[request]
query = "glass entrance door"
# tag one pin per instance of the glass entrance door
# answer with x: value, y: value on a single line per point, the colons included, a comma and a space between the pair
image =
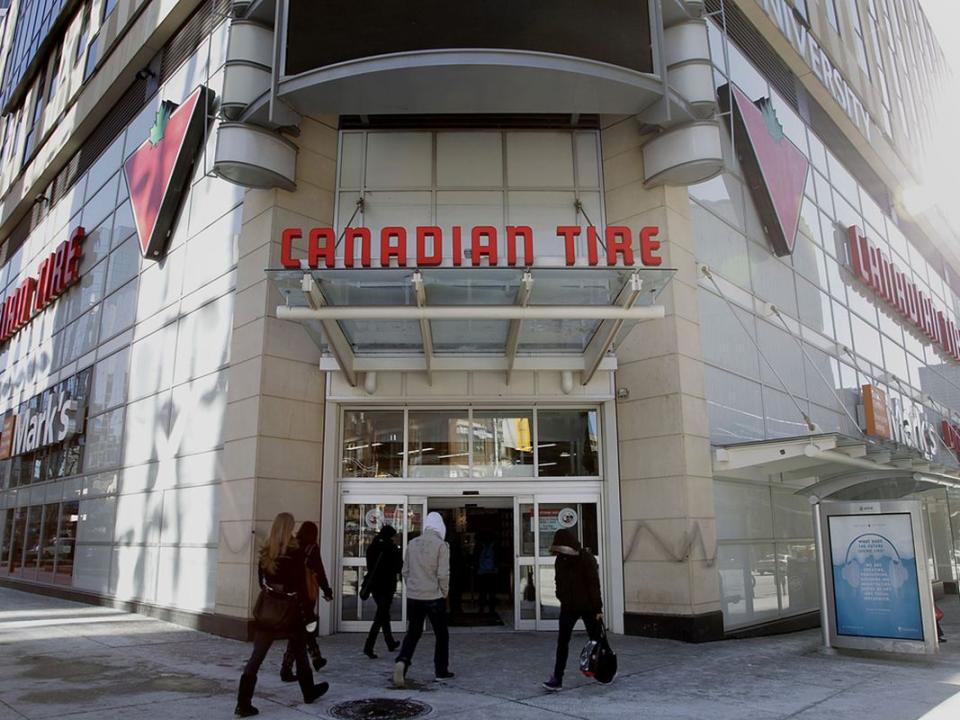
x: 361, y: 519
x: 538, y: 519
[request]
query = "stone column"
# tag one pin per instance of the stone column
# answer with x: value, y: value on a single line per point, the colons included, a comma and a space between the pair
x: 671, y: 586
x: 273, y: 445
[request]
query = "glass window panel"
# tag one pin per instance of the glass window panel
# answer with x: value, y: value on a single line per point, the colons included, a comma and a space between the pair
x: 31, y: 558
x: 372, y: 443
x: 866, y: 341
x: 124, y: 264
x: 773, y: 279
x: 528, y: 592
x: 793, y: 517
x: 567, y: 443
x: 502, y: 443
x: 797, y: 577
x: 723, y: 196
x: 723, y: 338
x: 362, y: 522
x: 895, y: 359
x: 782, y: 353
x: 814, y: 307
x: 588, y: 159
x: 543, y: 211
x: 745, y: 76
x: 6, y: 536
x: 824, y: 193
x: 438, y: 444
x: 66, y: 540
x: 17, y: 544
x: 399, y: 160
x: 843, y: 180
x: 48, y: 542
x: 386, y: 209
x: 783, y: 418
x: 734, y: 407
x: 748, y: 583
x: 580, y: 518
x: 539, y: 159
x: 469, y: 159
x: 549, y: 604
x: 721, y: 247
x: 527, y: 548
x: 351, y: 160
x: 793, y: 126
x: 743, y: 510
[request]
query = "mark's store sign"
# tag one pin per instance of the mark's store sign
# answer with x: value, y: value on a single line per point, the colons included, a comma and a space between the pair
x: 886, y: 279
x: 56, y: 273
x: 43, y: 421
x: 886, y: 418
x: 477, y: 245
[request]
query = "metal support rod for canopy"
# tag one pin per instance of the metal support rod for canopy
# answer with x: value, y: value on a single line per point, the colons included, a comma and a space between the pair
x: 339, y: 345
x: 603, y: 337
x: 471, y: 312
x: 426, y: 334
x: 513, y: 335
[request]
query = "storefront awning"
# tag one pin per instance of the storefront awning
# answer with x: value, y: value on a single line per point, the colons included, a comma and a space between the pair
x: 833, y: 463
x: 477, y: 318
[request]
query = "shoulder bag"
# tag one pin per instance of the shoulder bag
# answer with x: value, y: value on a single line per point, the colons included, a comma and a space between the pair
x: 276, y: 612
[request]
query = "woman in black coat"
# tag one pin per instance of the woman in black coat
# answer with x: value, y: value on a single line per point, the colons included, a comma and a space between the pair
x: 281, y: 570
x: 384, y: 562
x: 307, y: 537
x: 578, y: 590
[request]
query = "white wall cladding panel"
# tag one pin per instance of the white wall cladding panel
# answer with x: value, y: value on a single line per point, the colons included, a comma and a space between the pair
x: 203, y: 343
x: 138, y: 519
x: 161, y: 284
x: 133, y: 572
x: 197, y: 415
x: 213, y: 251
x: 147, y: 429
x: 187, y: 577
x: 96, y: 520
x: 152, y: 362
x: 190, y: 516
x: 91, y: 568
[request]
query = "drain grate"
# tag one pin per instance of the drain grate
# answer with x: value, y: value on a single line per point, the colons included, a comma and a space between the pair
x: 380, y: 709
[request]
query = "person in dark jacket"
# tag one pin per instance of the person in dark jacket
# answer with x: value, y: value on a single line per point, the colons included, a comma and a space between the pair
x: 307, y: 537
x: 385, y: 561
x: 578, y: 590
x: 281, y: 570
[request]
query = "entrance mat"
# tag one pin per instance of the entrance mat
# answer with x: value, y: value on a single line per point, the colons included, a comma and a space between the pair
x: 474, y: 619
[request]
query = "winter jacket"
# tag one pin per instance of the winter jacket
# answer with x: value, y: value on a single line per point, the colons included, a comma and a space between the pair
x: 384, y: 560
x: 289, y: 576
x: 577, y: 575
x: 315, y: 563
x: 426, y: 570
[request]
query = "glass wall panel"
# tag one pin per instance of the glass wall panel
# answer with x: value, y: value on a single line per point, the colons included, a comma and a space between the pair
x: 748, y: 583
x: 568, y: 443
x: 438, y: 444
x: 528, y: 592
x: 399, y: 160
x: 31, y: 558
x: 502, y: 443
x: 743, y: 510
x: 549, y: 604
x: 539, y: 159
x: 797, y: 573
x: 6, y: 536
x: 362, y: 522
x: 16, y: 547
x: 734, y: 407
x: 469, y: 159
x: 580, y: 518
x: 372, y: 443
x: 66, y: 541
x: 48, y: 543
x: 724, y: 343
x: 792, y: 516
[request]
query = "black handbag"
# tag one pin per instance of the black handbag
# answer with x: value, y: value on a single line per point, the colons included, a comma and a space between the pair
x: 365, y: 586
x: 276, y: 612
x: 598, y: 660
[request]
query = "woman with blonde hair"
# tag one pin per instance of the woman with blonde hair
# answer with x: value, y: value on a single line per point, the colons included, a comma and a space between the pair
x: 278, y: 613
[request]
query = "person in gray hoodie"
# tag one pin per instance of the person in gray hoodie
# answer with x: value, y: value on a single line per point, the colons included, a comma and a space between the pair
x: 426, y: 573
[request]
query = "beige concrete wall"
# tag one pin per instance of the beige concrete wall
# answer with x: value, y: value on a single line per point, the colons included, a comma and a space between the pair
x: 274, y: 435
x: 666, y: 485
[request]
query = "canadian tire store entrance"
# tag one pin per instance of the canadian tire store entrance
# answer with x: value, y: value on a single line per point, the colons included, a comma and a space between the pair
x: 504, y: 481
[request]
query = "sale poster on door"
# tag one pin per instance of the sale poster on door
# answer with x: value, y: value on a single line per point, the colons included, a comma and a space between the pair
x: 876, y: 588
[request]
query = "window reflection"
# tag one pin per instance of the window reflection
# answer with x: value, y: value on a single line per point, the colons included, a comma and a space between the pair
x: 567, y: 443
x: 372, y: 443
x: 502, y: 443
x: 66, y: 541
x: 438, y: 444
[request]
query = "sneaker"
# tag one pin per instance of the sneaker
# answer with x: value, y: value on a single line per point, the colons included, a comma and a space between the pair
x: 553, y: 684
x: 370, y: 654
x: 399, y: 674
x: 392, y: 647
x: 286, y: 675
x: 247, y: 710
x: 444, y: 675
x: 318, y: 663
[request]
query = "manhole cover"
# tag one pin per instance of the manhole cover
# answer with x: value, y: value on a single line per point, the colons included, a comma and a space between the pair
x: 380, y: 709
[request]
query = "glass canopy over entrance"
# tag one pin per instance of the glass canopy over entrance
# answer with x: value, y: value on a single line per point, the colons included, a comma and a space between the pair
x: 477, y: 318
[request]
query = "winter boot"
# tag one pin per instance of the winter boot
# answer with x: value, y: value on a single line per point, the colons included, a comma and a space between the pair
x: 245, y: 695
x: 318, y: 690
x: 286, y: 668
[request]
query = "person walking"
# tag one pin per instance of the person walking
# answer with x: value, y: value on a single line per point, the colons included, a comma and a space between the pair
x: 426, y: 573
x: 384, y: 562
x: 578, y: 590
x: 316, y: 580
x: 281, y: 572
x: 486, y: 561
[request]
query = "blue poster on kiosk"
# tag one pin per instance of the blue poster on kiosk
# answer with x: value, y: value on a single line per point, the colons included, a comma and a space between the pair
x: 876, y: 587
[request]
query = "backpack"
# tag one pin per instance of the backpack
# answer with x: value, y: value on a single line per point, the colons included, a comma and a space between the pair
x: 598, y: 660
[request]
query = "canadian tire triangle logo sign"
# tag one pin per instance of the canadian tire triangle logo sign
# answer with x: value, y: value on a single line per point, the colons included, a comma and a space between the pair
x: 774, y: 168
x: 158, y: 171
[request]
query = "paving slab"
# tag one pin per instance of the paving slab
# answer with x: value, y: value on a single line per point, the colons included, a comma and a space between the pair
x: 60, y: 659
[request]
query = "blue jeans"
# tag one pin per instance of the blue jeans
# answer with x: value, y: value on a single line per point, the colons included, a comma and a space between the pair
x: 417, y: 612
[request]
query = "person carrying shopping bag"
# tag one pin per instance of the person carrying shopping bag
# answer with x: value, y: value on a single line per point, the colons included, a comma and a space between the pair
x: 578, y: 590
x: 278, y: 613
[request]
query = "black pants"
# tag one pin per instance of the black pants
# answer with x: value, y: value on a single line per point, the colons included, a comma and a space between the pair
x: 261, y: 646
x: 417, y: 612
x: 381, y: 621
x: 486, y: 591
x: 568, y: 618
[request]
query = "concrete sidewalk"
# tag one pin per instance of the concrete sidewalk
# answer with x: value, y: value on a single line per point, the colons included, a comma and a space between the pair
x: 62, y: 659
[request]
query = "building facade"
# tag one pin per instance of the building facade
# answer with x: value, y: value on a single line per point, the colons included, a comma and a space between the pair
x: 648, y: 273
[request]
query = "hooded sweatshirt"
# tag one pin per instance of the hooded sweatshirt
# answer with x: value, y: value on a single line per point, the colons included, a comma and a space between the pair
x: 577, y: 575
x: 384, y: 560
x: 426, y: 570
